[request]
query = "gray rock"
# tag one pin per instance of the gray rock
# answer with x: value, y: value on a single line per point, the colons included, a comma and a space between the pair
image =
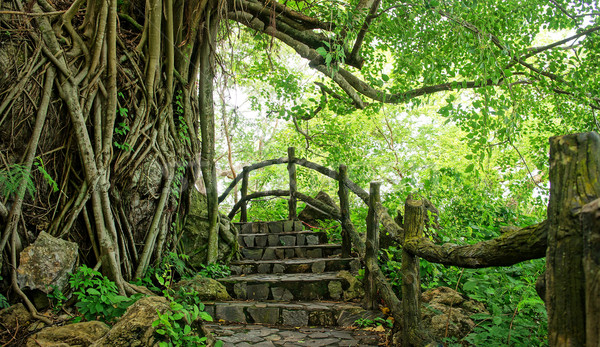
x: 276, y: 227
x: 278, y: 268
x: 265, y: 315
x: 324, y: 318
x: 236, y: 269
x: 355, y: 289
x: 335, y: 290
x: 289, y: 253
x: 206, y: 288
x: 318, y: 266
x: 314, y: 253
x: 254, y: 254
x: 288, y: 226
x: 15, y: 316
x: 264, y: 268
x: 296, y: 318
x: 230, y: 313
x: 281, y: 294
x: 288, y: 240
x: 260, y: 240
x: 301, y: 239
x: 355, y: 265
x: 246, y: 228
x: 269, y: 254
x: 312, y: 240
x: 240, y: 290
x: 258, y: 291
x: 47, y: 263
x: 249, y: 241
x: 298, y: 226
x: 273, y: 240
x: 78, y: 334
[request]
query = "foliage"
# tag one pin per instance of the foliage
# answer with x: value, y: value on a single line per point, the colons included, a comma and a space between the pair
x: 98, y: 297
x: 3, y: 302
x: 11, y: 179
x: 332, y: 228
x: 57, y: 299
x: 173, y: 264
x: 378, y: 321
x: 39, y: 163
x: 215, y: 270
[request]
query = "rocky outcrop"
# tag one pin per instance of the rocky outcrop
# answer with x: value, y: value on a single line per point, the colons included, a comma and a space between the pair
x: 444, y: 306
x: 135, y: 327
x: 47, y: 263
x: 78, y: 334
x: 311, y: 215
x: 207, y: 289
x: 195, y: 232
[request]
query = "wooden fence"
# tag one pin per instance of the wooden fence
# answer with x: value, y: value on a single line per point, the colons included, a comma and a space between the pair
x: 569, y: 239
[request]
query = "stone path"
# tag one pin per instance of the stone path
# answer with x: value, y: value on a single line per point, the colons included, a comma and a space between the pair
x: 267, y: 336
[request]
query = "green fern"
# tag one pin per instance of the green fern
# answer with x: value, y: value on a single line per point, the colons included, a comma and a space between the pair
x: 42, y: 169
x: 11, y: 179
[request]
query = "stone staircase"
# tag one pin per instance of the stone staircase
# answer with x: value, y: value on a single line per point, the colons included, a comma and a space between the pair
x: 289, y: 276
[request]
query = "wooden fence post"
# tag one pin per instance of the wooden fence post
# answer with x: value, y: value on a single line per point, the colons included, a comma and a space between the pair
x: 345, y: 211
x: 574, y: 182
x: 372, y: 247
x: 244, y: 212
x: 293, y: 183
x: 411, y: 280
x: 590, y: 219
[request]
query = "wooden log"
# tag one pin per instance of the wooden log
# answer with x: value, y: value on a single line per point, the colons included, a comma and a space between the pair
x: 244, y: 207
x: 507, y: 249
x: 574, y: 182
x: 250, y: 168
x: 332, y: 211
x: 344, y: 211
x: 411, y: 279
x: 590, y: 219
x: 371, y: 254
x: 293, y: 183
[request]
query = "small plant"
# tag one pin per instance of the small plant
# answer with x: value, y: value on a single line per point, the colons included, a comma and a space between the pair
x: 57, y: 299
x: 365, y: 322
x: 3, y: 301
x: 42, y: 169
x: 11, y: 179
x: 215, y: 270
x: 98, y: 297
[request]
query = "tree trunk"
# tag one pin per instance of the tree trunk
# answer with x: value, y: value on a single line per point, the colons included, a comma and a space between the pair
x: 574, y: 182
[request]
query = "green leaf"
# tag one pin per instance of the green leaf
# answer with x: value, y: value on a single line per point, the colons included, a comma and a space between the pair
x: 470, y: 168
x: 322, y: 51
x: 385, y: 77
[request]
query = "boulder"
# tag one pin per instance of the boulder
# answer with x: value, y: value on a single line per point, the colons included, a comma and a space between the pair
x: 195, y: 232
x: 310, y: 215
x: 15, y: 316
x: 78, y: 334
x: 355, y: 288
x: 443, y: 302
x: 135, y: 327
x: 47, y: 263
x: 207, y: 288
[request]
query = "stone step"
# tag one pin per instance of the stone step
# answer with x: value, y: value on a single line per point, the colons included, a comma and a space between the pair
x: 293, y: 238
x: 316, y: 265
x: 287, y: 287
x: 286, y: 252
x: 293, y: 314
x: 276, y: 227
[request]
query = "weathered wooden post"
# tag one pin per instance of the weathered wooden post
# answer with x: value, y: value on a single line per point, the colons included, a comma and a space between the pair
x: 244, y: 212
x: 590, y: 219
x: 411, y: 279
x: 372, y: 247
x: 345, y: 211
x: 293, y: 183
x: 574, y: 182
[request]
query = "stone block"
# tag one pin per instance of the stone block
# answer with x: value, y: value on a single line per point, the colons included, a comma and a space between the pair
x: 248, y: 241
x: 255, y: 228
x: 273, y: 240
x: 276, y: 227
x: 254, y: 254
x: 260, y: 241
x: 355, y: 265
x: 298, y: 226
x: 301, y: 239
x: 318, y: 266
x: 278, y: 268
x: 210, y: 309
x: 264, y: 268
x: 258, y: 291
x: 289, y: 253
x: 263, y: 228
x: 265, y: 315
x: 312, y: 240
x: 324, y: 318
x: 280, y: 253
x: 314, y: 253
x: 335, y: 290
x: 240, y: 290
x: 247, y: 269
x: 288, y: 225
x: 294, y: 318
x: 301, y: 252
x: 230, y: 313
x: 287, y: 240
x: 281, y: 294
x: 236, y: 269
x: 269, y: 254
x: 247, y: 228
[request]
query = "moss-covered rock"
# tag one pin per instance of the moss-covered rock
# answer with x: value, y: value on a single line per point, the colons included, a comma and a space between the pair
x: 207, y: 288
x: 78, y: 334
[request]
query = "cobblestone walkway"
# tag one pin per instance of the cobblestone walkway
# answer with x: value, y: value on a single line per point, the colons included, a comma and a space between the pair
x: 267, y: 336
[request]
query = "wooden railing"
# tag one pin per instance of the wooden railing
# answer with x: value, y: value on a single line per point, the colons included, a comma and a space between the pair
x: 569, y: 239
